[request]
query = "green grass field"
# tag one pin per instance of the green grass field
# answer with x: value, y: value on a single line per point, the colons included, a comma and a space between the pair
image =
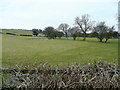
x: 18, y: 32
x: 25, y: 50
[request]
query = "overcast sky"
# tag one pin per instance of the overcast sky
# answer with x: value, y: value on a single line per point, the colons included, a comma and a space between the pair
x: 28, y: 14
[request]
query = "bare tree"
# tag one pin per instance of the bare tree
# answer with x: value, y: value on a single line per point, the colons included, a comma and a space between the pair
x: 75, y: 32
x: 64, y: 27
x: 101, y: 31
x: 84, y: 24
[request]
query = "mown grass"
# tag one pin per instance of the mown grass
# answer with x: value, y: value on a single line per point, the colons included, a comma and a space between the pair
x: 28, y: 50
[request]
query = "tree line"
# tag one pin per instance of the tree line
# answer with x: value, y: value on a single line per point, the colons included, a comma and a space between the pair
x: 81, y: 27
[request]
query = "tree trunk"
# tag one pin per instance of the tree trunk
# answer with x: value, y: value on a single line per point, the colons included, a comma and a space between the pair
x: 74, y: 38
x: 101, y: 40
x: 106, y: 40
x: 66, y: 35
x: 84, y: 37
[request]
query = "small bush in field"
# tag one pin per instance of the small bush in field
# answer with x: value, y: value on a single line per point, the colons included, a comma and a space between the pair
x: 72, y: 76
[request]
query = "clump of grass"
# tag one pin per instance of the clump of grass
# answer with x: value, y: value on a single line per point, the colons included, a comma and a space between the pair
x: 72, y: 76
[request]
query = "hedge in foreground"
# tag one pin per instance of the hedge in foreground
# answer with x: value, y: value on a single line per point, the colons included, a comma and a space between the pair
x: 72, y: 76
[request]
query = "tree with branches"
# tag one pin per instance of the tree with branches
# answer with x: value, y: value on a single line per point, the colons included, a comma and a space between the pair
x: 50, y: 32
x: 102, y: 31
x: 75, y: 32
x: 65, y: 28
x: 84, y: 24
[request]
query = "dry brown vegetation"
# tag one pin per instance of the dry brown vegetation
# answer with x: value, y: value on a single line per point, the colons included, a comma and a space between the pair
x: 72, y: 76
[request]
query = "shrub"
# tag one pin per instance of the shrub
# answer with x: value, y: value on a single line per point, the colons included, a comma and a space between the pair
x: 25, y: 35
x: 11, y: 33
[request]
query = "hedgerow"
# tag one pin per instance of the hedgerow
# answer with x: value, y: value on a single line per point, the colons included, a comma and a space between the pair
x: 72, y: 76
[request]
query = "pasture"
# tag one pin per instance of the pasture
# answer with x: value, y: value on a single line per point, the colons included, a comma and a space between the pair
x: 18, y: 32
x: 29, y: 50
